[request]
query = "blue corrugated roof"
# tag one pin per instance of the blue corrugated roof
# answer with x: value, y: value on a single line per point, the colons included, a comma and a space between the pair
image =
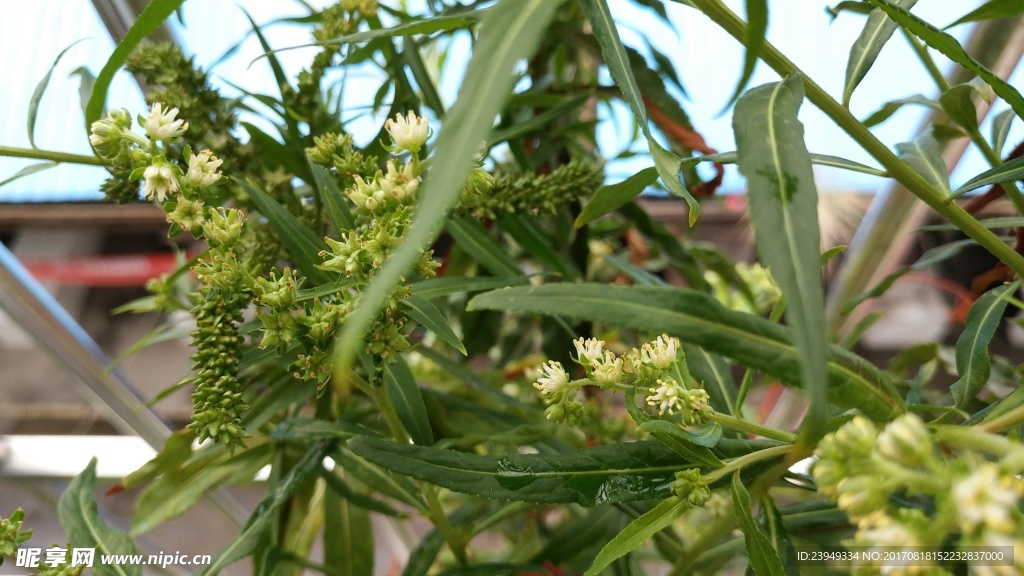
x: 31, y: 36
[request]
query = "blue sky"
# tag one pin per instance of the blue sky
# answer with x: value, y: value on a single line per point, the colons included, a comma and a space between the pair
x: 708, y: 61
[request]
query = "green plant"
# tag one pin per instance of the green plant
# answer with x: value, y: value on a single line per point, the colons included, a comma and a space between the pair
x: 361, y: 305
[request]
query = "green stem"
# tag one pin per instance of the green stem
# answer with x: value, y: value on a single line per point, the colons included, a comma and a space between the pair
x: 899, y: 170
x: 1005, y: 421
x: 738, y: 463
x: 741, y: 397
x: 929, y: 63
x: 62, y: 157
x: 736, y: 423
x: 979, y: 438
x: 437, y: 515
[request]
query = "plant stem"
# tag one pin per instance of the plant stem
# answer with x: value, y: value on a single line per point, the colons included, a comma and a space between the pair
x: 899, y: 170
x: 437, y: 515
x: 738, y: 463
x: 1004, y: 421
x: 979, y: 437
x: 929, y: 63
x: 62, y: 157
x: 742, y: 425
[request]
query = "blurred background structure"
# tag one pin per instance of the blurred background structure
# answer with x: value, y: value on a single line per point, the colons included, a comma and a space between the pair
x: 92, y: 257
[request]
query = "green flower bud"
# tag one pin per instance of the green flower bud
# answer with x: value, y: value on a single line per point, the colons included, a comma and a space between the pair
x: 906, y: 440
x: 689, y: 485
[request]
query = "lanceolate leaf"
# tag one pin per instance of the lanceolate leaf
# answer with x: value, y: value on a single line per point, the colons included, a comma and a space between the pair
x: 151, y: 18
x: 303, y: 246
x: 348, y: 537
x: 29, y: 170
x: 37, y: 95
x: 405, y: 395
x: 868, y: 46
x: 784, y: 210
x: 612, y: 196
x: 1001, y: 129
x: 617, y: 60
x: 712, y: 371
x: 819, y: 159
x: 890, y: 108
x: 247, y: 541
x: 951, y: 49
x: 610, y: 473
x: 85, y: 529
x: 701, y: 320
x: 446, y: 286
x: 510, y: 31
x: 423, y: 311
x: 333, y: 199
x: 472, y: 237
x: 762, y: 555
x: 757, y: 25
x: 973, y: 363
x: 925, y: 156
x: 1005, y: 172
x: 992, y: 10
x: 958, y: 103
x: 639, y: 531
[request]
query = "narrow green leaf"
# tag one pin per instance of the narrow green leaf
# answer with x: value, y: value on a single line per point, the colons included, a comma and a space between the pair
x: 958, y: 103
x: 303, y: 246
x: 177, y: 448
x: 537, y: 244
x: 706, y: 435
x: 990, y: 11
x: 757, y: 26
x: 177, y: 491
x: 973, y: 363
x: 931, y: 257
x: 819, y: 159
x: 510, y: 31
x: 28, y: 171
x: 536, y: 123
x: 617, y: 60
x: 682, y: 445
x: 611, y: 473
x: 471, y: 379
x: 773, y: 523
x: 890, y: 108
x: 413, y: 59
x: 877, y: 31
x: 714, y: 373
x: 342, y: 489
x: 701, y: 320
x: 423, y: 311
x: 1005, y: 172
x: 639, y: 531
x: 333, y: 199
x: 348, y: 537
x: 37, y: 96
x: 990, y: 223
x: 784, y: 211
x: 248, y: 540
x: 292, y: 159
x: 87, y: 82
x: 84, y: 528
x: 151, y: 18
x: 472, y: 237
x: 924, y: 155
x: 404, y: 393
x: 608, y: 198
x: 951, y: 49
x: 414, y: 28
x: 762, y: 555
x: 636, y: 274
x: 370, y: 474
x: 446, y: 286
x: 305, y: 430
x: 1001, y: 129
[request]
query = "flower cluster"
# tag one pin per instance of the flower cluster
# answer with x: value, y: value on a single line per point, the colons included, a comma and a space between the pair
x: 179, y: 191
x: 877, y: 477
x: 658, y: 366
x: 11, y: 535
x: 484, y: 196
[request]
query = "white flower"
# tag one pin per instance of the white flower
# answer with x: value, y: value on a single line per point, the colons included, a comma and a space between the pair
x: 408, y: 133
x: 995, y: 539
x: 661, y: 353
x: 986, y: 498
x: 202, y: 168
x: 589, y: 351
x: 608, y: 371
x: 554, y: 380
x: 400, y: 185
x: 160, y: 181
x: 668, y: 396
x: 162, y: 125
x: 188, y: 213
